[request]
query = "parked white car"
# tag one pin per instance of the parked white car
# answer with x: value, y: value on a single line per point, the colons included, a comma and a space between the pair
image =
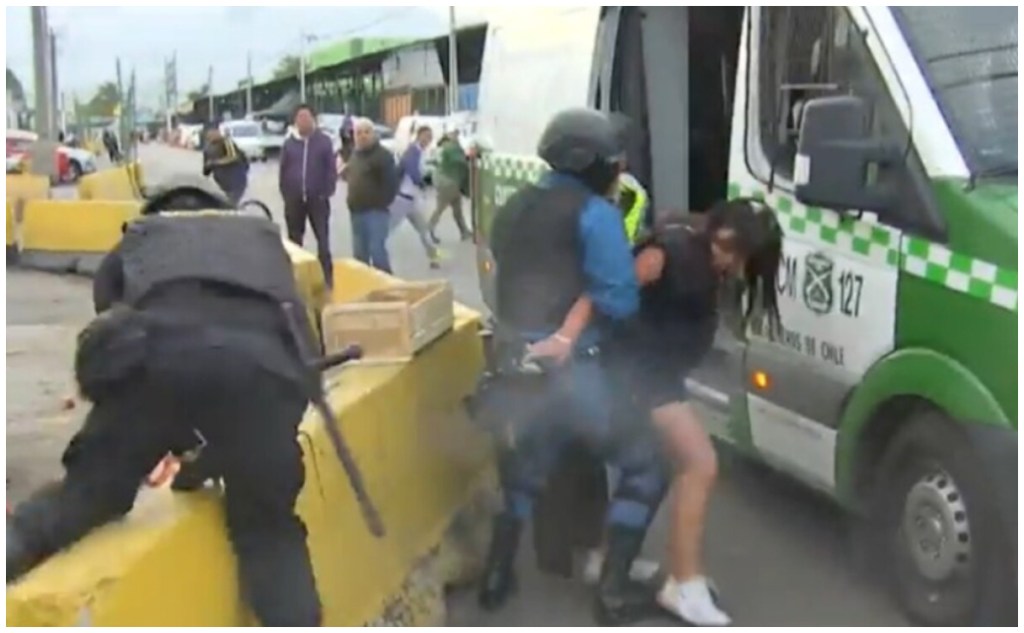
x: 248, y: 136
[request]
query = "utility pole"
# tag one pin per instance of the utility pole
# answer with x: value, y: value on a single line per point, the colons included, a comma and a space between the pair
x: 54, y: 92
x: 302, y: 67
x: 170, y: 89
x: 248, y: 84
x: 121, y: 122
x: 43, y: 68
x: 305, y: 38
x: 209, y: 94
x: 131, y: 144
x: 453, y: 62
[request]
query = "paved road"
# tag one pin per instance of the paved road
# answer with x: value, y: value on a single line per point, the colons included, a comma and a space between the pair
x: 778, y: 553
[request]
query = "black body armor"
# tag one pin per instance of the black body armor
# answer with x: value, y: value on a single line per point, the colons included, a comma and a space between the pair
x: 235, y: 250
x: 536, y: 246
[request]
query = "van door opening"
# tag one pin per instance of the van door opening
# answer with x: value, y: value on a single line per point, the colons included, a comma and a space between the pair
x: 674, y: 75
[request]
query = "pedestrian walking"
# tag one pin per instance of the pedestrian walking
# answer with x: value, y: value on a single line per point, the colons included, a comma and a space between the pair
x: 408, y: 204
x: 452, y: 173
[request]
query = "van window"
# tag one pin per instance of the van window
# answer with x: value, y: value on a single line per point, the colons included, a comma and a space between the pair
x: 793, y: 46
x: 969, y: 58
x: 819, y: 51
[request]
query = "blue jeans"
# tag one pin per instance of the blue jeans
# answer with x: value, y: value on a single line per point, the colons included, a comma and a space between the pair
x: 370, y: 237
x: 578, y: 404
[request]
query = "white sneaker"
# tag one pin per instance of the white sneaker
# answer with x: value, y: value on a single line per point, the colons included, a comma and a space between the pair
x: 641, y: 571
x: 692, y: 602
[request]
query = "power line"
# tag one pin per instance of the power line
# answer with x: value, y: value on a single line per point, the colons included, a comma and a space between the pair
x: 290, y: 50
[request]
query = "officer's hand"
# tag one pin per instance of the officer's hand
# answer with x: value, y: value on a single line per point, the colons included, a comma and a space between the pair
x: 556, y: 348
x: 164, y: 471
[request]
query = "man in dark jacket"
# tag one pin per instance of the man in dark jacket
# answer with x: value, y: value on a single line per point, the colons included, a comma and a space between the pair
x: 371, y: 177
x: 307, y: 180
x: 226, y: 163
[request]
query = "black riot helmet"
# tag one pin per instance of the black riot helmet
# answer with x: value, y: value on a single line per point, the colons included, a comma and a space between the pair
x: 583, y: 142
x: 186, y: 193
x: 196, y: 195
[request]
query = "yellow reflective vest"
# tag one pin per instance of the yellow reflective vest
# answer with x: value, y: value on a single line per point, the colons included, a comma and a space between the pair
x: 633, y: 201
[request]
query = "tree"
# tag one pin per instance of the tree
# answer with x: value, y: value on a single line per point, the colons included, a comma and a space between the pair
x: 105, y: 101
x: 196, y: 95
x: 15, y: 87
x: 289, y: 66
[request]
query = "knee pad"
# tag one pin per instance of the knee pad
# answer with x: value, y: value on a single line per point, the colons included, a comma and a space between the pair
x: 642, y: 487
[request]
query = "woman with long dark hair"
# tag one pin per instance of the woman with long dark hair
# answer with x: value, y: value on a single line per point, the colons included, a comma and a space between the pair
x: 681, y: 267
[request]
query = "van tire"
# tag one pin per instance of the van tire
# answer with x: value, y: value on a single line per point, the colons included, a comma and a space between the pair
x: 931, y: 481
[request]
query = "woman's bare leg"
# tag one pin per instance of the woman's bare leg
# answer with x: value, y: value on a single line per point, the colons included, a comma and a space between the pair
x: 696, y: 471
x: 687, y: 593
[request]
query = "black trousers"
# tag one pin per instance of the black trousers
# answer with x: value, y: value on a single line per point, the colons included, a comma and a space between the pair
x: 248, y: 417
x: 318, y: 212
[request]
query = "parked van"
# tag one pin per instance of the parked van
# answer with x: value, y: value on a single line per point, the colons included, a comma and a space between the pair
x: 885, y: 139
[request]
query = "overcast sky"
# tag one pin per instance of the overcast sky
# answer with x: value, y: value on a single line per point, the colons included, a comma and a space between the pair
x: 89, y: 39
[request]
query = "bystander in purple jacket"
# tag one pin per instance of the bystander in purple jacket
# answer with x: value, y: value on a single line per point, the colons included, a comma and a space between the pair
x: 307, y: 179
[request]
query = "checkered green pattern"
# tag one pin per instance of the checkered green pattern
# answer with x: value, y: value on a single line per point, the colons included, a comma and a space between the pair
x: 912, y: 255
x: 517, y: 168
x: 872, y: 241
x: 977, y: 278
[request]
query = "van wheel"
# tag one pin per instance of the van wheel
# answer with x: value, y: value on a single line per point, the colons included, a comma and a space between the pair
x: 936, y: 524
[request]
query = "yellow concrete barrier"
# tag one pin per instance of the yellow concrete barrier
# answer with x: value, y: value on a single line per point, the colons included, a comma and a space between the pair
x: 24, y: 187
x: 169, y: 562
x: 72, y: 235
x: 310, y: 278
x: 115, y: 183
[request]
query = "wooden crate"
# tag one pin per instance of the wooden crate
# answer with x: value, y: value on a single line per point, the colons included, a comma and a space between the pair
x: 392, y: 323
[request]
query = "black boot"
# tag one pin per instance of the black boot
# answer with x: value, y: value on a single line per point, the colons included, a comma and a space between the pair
x: 620, y: 600
x: 499, y: 581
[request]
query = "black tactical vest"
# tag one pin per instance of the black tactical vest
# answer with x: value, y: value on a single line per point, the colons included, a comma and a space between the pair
x: 234, y: 250
x: 538, y: 258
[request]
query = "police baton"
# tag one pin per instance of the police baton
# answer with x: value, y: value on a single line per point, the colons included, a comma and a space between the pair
x: 348, y: 463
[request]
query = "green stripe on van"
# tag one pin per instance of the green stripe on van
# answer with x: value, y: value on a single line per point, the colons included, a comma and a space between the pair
x: 980, y: 279
x: 915, y: 256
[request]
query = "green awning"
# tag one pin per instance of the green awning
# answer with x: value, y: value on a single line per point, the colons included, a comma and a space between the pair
x: 345, y: 50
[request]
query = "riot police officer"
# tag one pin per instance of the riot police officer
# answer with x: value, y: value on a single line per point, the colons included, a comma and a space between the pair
x: 190, y: 349
x: 553, y: 242
x: 631, y: 196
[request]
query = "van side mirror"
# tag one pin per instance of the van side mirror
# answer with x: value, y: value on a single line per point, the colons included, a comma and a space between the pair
x: 837, y: 159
